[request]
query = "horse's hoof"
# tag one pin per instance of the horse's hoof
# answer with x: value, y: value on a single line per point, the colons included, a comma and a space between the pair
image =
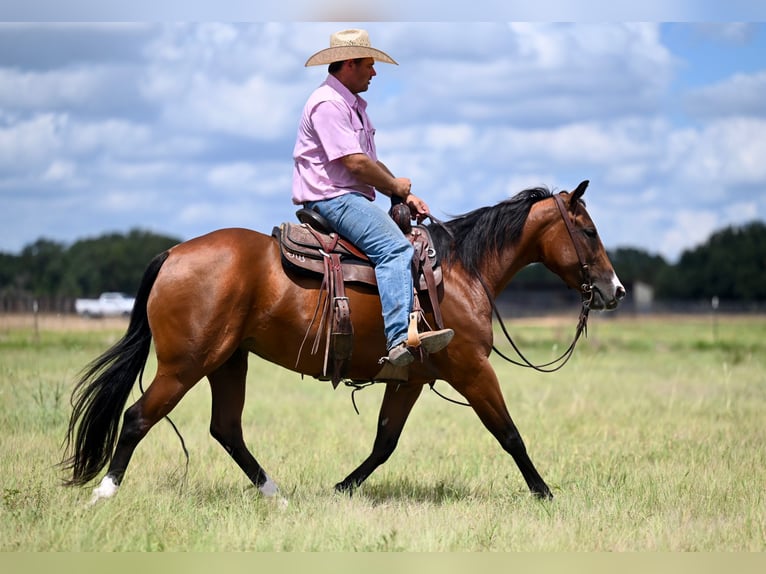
x: 107, y: 489
x: 544, y: 494
x: 279, y: 501
x: 344, y: 488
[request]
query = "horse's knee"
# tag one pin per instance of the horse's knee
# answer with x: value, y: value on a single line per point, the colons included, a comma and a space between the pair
x: 217, y: 434
x: 227, y: 435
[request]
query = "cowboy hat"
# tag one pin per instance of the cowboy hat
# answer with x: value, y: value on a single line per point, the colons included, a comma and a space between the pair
x: 348, y: 45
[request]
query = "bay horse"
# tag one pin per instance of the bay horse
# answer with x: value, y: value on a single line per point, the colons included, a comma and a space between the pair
x: 209, y: 302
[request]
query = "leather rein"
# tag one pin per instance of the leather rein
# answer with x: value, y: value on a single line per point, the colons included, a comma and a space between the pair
x: 586, y: 291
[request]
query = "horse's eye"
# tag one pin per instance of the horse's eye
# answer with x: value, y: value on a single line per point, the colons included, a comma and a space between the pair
x: 590, y: 232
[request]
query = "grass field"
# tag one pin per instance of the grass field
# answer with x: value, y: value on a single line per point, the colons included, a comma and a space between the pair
x: 651, y: 438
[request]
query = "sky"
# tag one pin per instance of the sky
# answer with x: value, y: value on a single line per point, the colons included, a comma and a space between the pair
x: 181, y: 129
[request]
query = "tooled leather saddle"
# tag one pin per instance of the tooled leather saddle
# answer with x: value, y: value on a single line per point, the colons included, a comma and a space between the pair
x: 310, y: 247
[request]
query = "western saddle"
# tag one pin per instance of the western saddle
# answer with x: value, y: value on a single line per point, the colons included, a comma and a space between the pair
x: 311, y: 247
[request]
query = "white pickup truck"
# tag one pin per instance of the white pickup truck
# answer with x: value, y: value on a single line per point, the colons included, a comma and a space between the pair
x: 107, y: 305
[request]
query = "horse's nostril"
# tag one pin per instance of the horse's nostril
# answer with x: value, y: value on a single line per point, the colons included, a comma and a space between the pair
x: 620, y: 292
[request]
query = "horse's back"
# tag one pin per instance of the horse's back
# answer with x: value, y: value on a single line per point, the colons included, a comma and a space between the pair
x: 216, y: 255
x: 228, y: 240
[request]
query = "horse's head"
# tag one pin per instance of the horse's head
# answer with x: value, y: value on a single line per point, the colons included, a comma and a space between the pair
x: 573, y: 250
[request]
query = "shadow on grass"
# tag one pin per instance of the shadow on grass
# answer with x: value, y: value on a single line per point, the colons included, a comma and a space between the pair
x: 411, y: 491
x: 440, y: 493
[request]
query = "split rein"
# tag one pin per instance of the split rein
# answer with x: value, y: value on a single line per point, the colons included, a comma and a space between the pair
x: 586, y: 291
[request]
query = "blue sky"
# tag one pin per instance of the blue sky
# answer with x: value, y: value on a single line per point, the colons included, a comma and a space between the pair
x: 186, y: 128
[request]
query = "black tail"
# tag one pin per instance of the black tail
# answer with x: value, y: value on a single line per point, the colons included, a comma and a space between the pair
x: 99, y: 397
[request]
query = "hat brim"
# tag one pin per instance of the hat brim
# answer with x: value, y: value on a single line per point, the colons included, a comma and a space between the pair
x: 342, y: 53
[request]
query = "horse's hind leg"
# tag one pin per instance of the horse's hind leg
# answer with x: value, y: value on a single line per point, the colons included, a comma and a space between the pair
x: 227, y: 386
x: 397, y: 404
x: 159, y: 399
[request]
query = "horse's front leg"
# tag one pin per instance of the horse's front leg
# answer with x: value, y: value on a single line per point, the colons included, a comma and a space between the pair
x: 483, y: 393
x: 397, y: 404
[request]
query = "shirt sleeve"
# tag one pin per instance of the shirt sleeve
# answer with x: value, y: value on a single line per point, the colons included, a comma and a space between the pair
x: 336, y: 129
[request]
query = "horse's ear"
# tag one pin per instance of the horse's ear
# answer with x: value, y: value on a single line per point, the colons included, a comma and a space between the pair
x: 578, y: 193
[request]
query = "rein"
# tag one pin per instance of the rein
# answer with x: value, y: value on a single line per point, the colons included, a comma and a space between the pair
x: 586, y: 290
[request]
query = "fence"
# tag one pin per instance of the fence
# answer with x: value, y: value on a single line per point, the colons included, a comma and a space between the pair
x: 515, y: 301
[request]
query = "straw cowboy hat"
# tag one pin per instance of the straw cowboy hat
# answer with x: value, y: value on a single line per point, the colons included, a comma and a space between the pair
x: 348, y: 45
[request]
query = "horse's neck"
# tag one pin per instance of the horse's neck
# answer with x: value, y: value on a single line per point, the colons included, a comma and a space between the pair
x: 498, y: 271
x: 497, y: 274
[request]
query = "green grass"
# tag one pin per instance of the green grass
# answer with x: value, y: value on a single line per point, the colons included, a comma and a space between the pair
x: 651, y: 438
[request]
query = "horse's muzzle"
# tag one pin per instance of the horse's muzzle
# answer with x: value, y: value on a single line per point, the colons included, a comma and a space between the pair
x: 607, y: 298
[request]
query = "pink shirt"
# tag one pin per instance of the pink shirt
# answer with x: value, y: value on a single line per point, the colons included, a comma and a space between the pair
x: 334, y: 124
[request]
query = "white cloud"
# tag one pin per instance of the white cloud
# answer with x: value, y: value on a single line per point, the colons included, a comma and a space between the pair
x: 62, y: 172
x: 736, y: 32
x: 188, y: 127
x: 57, y: 88
x: 29, y: 145
x: 537, y: 74
x: 253, y: 108
x: 725, y: 153
x: 688, y: 228
x: 739, y: 212
x: 740, y: 94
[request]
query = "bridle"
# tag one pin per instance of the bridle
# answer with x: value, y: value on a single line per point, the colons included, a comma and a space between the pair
x: 586, y: 292
x: 586, y: 287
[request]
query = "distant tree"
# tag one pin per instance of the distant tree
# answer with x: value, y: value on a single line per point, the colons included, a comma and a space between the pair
x: 112, y: 262
x: 633, y: 265
x: 9, y: 268
x: 630, y: 264
x: 41, y: 266
x: 730, y: 265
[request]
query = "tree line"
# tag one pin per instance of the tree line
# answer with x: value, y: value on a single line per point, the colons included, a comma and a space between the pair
x: 731, y: 265
x: 111, y: 262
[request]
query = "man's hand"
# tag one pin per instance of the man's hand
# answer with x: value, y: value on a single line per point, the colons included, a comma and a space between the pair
x: 418, y: 207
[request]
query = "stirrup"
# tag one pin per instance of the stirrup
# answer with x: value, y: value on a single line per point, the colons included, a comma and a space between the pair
x: 431, y: 341
x: 413, y: 337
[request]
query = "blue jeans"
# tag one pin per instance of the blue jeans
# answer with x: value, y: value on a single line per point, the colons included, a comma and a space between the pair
x: 372, y: 230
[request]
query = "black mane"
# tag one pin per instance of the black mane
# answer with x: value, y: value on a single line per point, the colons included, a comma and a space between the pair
x: 484, y: 231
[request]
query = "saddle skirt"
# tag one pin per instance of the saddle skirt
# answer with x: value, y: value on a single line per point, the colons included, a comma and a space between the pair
x: 307, y: 249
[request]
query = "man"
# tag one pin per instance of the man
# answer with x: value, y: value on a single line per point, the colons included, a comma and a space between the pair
x: 337, y: 172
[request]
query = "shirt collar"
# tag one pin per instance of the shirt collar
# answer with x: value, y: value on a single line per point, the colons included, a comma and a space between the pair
x: 353, y: 100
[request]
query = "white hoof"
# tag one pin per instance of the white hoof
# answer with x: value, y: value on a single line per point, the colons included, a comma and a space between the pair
x: 107, y: 489
x: 270, y: 491
x: 279, y: 501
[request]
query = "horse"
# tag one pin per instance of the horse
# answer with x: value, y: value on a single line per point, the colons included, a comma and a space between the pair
x: 208, y: 302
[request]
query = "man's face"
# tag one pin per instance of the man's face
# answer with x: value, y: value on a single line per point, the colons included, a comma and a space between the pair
x: 360, y: 74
